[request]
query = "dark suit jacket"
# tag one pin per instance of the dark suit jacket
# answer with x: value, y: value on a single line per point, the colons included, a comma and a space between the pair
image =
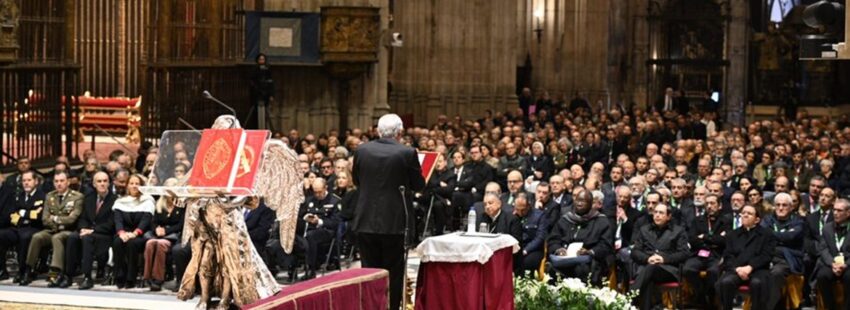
x: 535, y: 227
x: 32, y: 214
x: 542, y: 163
x: 7, y: 204
x: 828, y: 249
x: 813, y: 227
x: 596, y: 235
x: 380, y: 168
x: 714, y: 239
x: 754, y: 248
x: 102, y: 222
x: 629, y: 229
x: 258, y: 222
x: 672, y: 245
x: 505, y: 223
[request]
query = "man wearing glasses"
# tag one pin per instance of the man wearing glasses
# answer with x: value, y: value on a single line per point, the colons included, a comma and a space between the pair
x: 788, y: 229
x: 746, y: 260
x: 326, y: 169
x: 832, y: 250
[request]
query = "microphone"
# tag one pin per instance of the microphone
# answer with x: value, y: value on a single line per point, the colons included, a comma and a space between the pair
x: 401, y: 188
x: 209, y: 96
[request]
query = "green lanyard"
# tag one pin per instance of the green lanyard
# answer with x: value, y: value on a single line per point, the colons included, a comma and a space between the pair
x: 839, y: 242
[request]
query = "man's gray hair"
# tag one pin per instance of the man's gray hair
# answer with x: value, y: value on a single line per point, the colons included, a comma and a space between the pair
x: 783, y: 197
x: 389, y: 126
x: 598, y: 195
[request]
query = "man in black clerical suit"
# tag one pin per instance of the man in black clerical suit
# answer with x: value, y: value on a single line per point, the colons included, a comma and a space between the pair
x: 95, y: 230
x: 832, y: 252
x: 658, y: 250
x: 707, y: 239
x: 497, y: 219
x: 586, y: 228
x: 746, y: 260
x: 382, y: 169
x: 25, y: 220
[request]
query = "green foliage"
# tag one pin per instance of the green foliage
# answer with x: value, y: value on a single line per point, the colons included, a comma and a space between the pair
x: 531, y: 294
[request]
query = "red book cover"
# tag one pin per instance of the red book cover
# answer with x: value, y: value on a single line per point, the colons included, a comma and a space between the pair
x: 249, y: 159
x: 428, y: 161
x: 215, y: 157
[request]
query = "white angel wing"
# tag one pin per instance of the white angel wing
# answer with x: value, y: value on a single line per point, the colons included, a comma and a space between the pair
x: 279, y: 183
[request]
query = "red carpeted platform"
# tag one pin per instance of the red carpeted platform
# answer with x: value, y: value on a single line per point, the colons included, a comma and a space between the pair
x: 362, y: 288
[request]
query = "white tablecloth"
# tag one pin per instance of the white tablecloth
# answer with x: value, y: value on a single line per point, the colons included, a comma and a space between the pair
x: 454, y: 248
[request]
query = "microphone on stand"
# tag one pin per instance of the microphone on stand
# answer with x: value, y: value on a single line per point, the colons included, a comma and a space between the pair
x: 401, y: 189
x: 209, y: 96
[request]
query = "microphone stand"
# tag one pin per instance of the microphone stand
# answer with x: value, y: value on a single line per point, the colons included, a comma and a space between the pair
x: 406, y: 228
x: 222, y: 104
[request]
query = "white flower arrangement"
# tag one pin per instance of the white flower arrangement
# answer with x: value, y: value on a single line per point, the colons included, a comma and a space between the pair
x: 570, y: 293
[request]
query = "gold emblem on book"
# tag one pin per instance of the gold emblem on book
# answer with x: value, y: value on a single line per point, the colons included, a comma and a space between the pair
x: 216, y: 158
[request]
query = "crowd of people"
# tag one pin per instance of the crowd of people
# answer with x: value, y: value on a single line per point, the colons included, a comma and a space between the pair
x: 652, y: 196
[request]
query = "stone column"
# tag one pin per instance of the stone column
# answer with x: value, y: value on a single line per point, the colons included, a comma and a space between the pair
x: 737, y: 40
x: 639, y: 54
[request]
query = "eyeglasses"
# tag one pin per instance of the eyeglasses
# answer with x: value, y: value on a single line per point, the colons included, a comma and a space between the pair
x: 514, y: 181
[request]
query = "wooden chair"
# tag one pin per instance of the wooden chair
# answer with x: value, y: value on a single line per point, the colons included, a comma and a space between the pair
x: 838, y: 288
x: 792, y: 290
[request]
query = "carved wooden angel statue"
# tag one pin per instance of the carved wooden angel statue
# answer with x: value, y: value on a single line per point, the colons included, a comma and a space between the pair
x: 223, y: 257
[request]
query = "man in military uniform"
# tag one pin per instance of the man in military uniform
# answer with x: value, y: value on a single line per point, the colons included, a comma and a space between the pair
x: 315, y: 230
x: 24, y: 221
x: 62, y: 208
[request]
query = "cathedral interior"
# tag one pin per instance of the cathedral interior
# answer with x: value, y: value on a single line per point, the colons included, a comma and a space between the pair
x: 74, y: 68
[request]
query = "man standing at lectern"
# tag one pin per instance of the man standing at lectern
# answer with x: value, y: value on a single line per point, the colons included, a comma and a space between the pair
x: 382, y: 169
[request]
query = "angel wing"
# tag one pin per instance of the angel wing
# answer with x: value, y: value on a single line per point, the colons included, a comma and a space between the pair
x: 279, y: 183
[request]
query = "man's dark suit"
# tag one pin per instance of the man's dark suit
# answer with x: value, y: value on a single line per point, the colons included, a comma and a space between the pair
x: 259, y: 221
x: 689, y: 214
x: 535, y: 227
x: 596, y: 235
x: 20, y: 234
x: 94, y: 245
x: 441, y: 197
x: 814, y: 224
x: 669, y: 242
x: 827, y: 251
x: 707, y: 239
x: 505, y: 223
x: 380, y: 168
x: 754, y: 248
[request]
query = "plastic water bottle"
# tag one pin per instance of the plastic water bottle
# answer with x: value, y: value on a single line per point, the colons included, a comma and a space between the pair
x: 470, y: 221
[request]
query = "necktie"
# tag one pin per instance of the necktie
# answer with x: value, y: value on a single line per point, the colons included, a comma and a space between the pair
x: 511, y: 199
x: 635, y: 204
x: 737, y: 222
x: 61, y: 199
x: 99, y: 204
